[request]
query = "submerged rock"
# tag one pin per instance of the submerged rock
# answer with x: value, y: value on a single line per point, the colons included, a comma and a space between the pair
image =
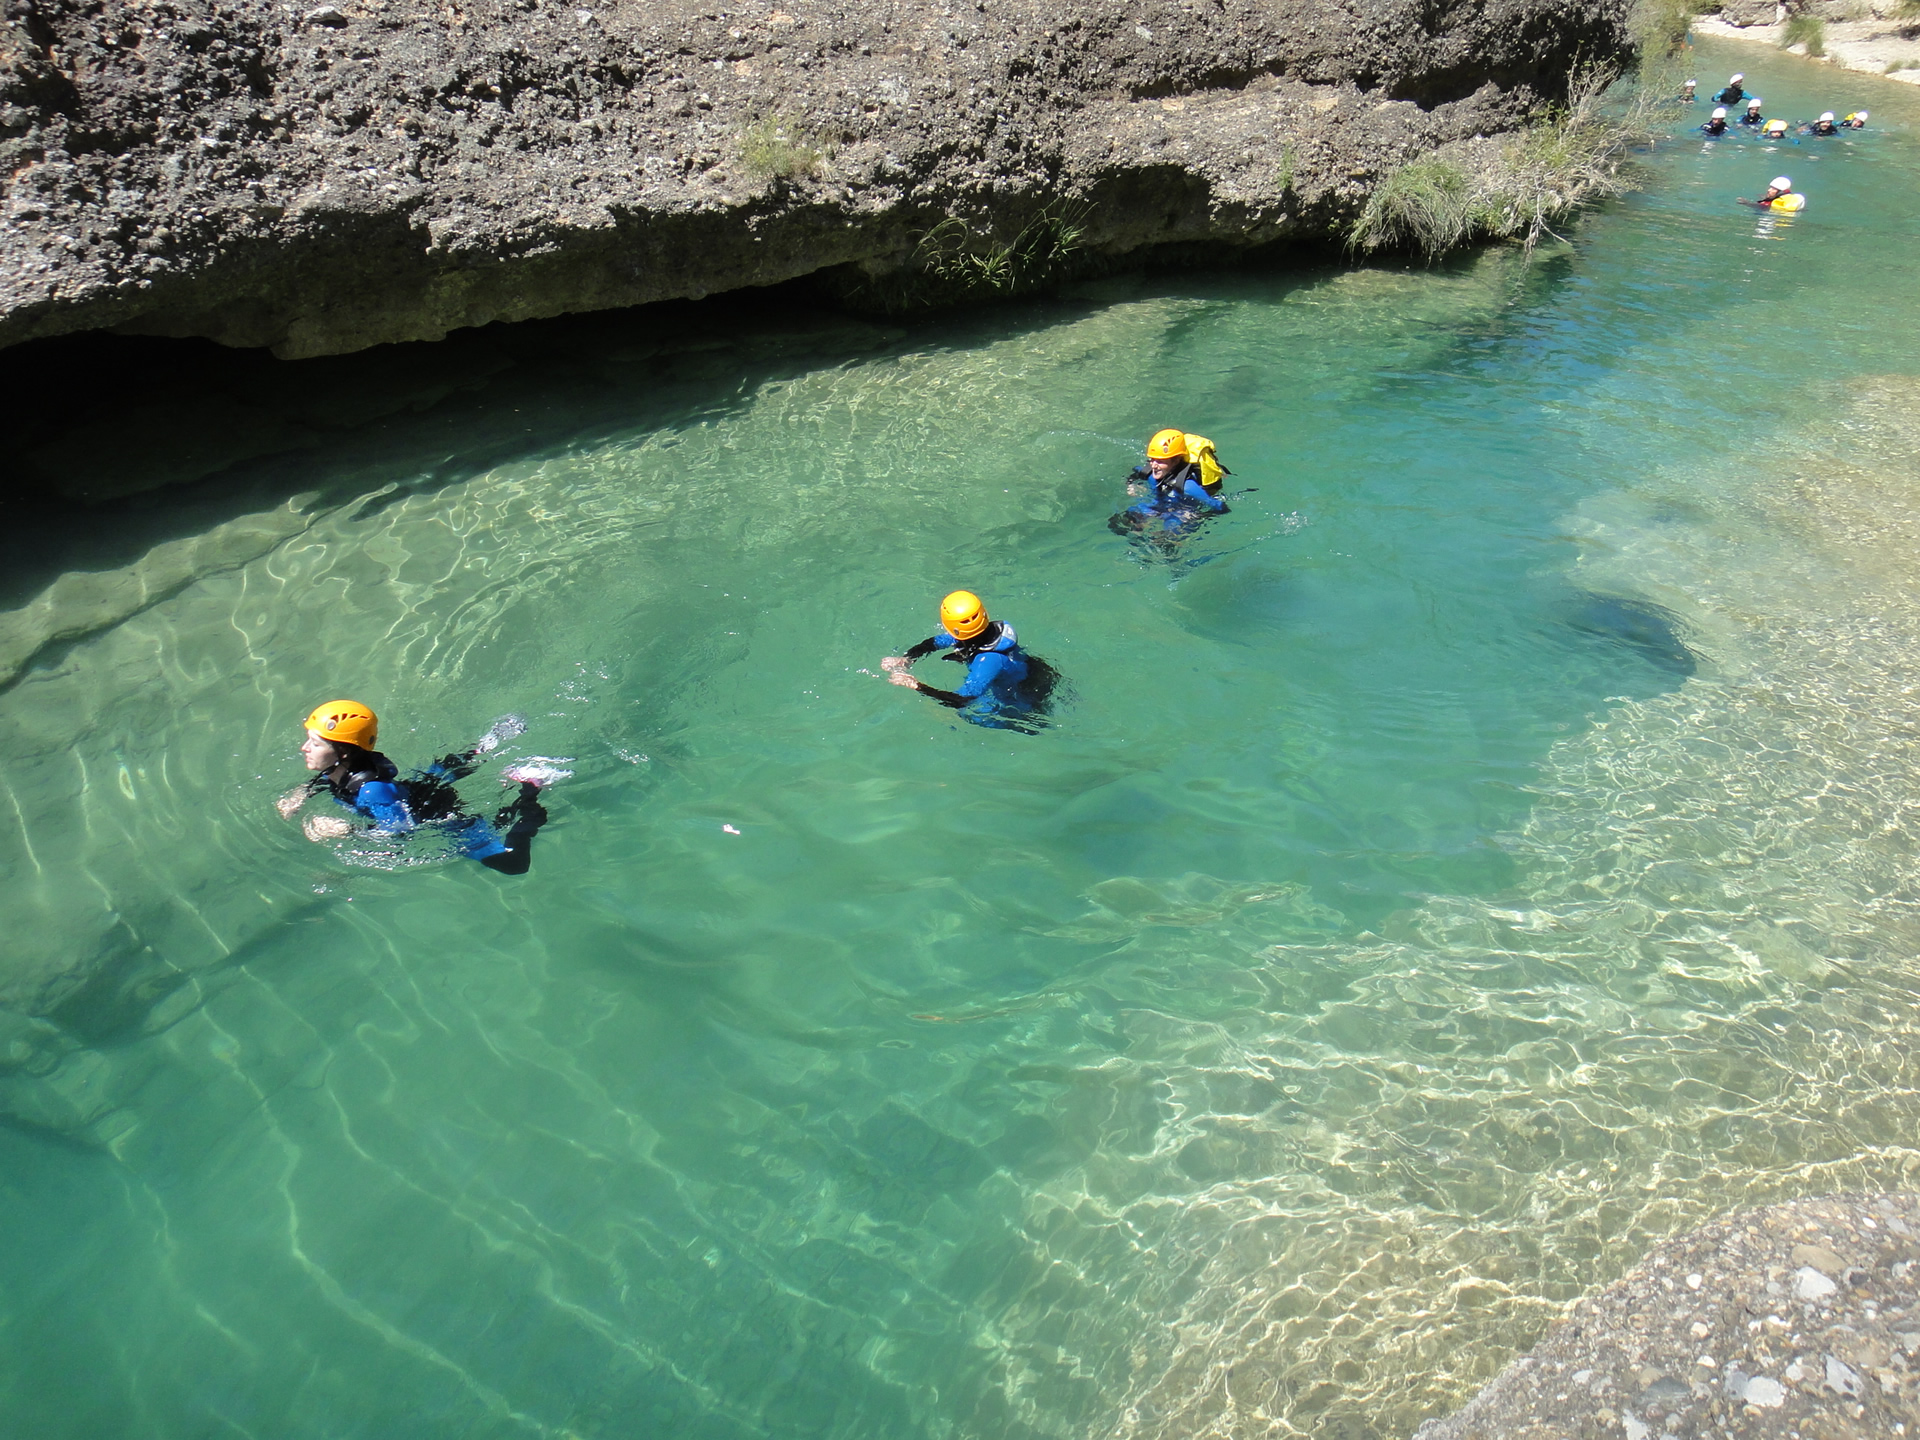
x: 326, y: 179
x: 1782, y: 1362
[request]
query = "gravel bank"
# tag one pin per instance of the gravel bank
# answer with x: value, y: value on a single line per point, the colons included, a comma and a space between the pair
x: 1800, y: 1321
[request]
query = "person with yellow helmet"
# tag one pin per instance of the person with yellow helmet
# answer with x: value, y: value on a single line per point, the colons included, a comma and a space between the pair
x: 1777, y: 130
x: 1004, y: 688
x: 1181, y: 482
x: 341, y: 735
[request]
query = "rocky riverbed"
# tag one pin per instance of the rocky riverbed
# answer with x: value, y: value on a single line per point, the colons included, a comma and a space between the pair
x: 319, y: 178
x: 1800, y: 1321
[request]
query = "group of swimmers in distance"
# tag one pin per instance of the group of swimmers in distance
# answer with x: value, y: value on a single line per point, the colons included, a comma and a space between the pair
x: 1004, y: 688
x: 1780, y: 194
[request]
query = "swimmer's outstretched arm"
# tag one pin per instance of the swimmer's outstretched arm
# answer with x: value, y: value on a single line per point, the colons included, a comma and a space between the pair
x: 898, y: 671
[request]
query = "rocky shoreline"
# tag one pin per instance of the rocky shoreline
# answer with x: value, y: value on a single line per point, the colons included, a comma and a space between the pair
x: 322, y: 178
x: 1877, y: 45
x: 1800, y: 1321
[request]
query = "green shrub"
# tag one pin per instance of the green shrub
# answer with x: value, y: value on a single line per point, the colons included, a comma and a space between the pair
x: 776, y: 149
x: 1660, y: 27
x: 1570, y: 156
x: 1808, y: 30
x: 1428, y: 205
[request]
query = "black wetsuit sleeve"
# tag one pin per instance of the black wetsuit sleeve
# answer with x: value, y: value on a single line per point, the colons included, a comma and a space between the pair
x: 924, y: 648
x: 946, y: 697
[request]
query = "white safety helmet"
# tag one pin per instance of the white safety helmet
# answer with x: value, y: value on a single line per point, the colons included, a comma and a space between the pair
x: 1781, y: 183
x: 1736, y: 79
x: 1862, y: 115
x: 1754, y: 103
x: 1827, y: 115
x: 1719, y: 112
x: 1692, y: 83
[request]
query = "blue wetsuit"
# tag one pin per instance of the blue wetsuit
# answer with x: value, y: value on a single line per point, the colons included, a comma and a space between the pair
x: 1179, y: 502
x: 1004, y: 687
x: 367, y: 783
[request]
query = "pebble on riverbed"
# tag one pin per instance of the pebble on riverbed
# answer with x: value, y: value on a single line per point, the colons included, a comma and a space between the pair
x: 1800, y: 1321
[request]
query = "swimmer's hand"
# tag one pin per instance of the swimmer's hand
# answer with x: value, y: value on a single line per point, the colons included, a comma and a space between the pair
x: 899, y: 674
x: 291, y: 801
x: 896, y: 663
x: 327, y: 827
x: 1134, y: 487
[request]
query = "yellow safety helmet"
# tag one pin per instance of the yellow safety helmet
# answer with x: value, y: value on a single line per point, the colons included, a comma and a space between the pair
x: 345, y: 722
x: 1167, y: 445
x: 962, y: 615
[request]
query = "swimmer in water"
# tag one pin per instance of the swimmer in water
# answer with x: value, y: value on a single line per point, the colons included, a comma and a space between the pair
x: 1753, y: 115
x: 1823, y: 126
x: 1733, y: 94
x: 1777, y: 130
x: 1779, y: 195
x: 340, y: 738
x: 1856, y: 120
x: 1004, y: 688
x: 1686, y: 96
x: 1181, y: 482
x: 1716, y: 122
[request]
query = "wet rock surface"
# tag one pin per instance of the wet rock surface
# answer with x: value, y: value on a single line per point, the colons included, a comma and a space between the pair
x: 1800, y: 1321
x: 323, y: 178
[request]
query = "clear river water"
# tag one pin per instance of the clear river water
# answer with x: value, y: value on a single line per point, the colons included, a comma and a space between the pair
x: 1488, y: 851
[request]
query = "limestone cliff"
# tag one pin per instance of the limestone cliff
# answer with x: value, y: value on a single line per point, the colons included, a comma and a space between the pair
x: 320, y: 178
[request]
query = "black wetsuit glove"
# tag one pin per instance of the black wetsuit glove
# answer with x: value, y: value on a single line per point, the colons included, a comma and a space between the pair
x: 521, y: 819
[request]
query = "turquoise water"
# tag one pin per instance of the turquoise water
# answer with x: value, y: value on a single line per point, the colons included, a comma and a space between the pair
x: 1486, y: 853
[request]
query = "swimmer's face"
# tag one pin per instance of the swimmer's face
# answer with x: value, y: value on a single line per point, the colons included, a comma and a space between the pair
x: 318, y: 753
x: 1160, y: 469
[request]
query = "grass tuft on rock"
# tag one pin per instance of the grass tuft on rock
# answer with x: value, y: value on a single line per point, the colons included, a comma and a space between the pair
x: 1807, y: 30
x: 778, y: 149
x: 955, y: 262
x: 1570, y: 157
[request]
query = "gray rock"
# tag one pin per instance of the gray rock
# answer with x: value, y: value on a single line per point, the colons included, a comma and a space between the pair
x: 1842, y: 1379
x: 1766, y: 1393
x: 387, y: 174
x: 1810, y: 1285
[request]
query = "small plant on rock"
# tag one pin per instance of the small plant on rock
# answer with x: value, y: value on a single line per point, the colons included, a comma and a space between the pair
x: 777, y: 149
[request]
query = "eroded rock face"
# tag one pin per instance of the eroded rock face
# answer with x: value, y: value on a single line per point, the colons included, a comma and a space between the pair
x: 322, y: 177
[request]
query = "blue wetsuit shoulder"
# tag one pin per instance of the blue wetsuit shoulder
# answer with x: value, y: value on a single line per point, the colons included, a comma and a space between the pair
x: 1195, y: 491
x: 385, y: 803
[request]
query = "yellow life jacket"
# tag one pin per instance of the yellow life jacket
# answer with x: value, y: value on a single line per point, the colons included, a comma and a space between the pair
x: 1792, y: 200
x: 1200, y: 452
